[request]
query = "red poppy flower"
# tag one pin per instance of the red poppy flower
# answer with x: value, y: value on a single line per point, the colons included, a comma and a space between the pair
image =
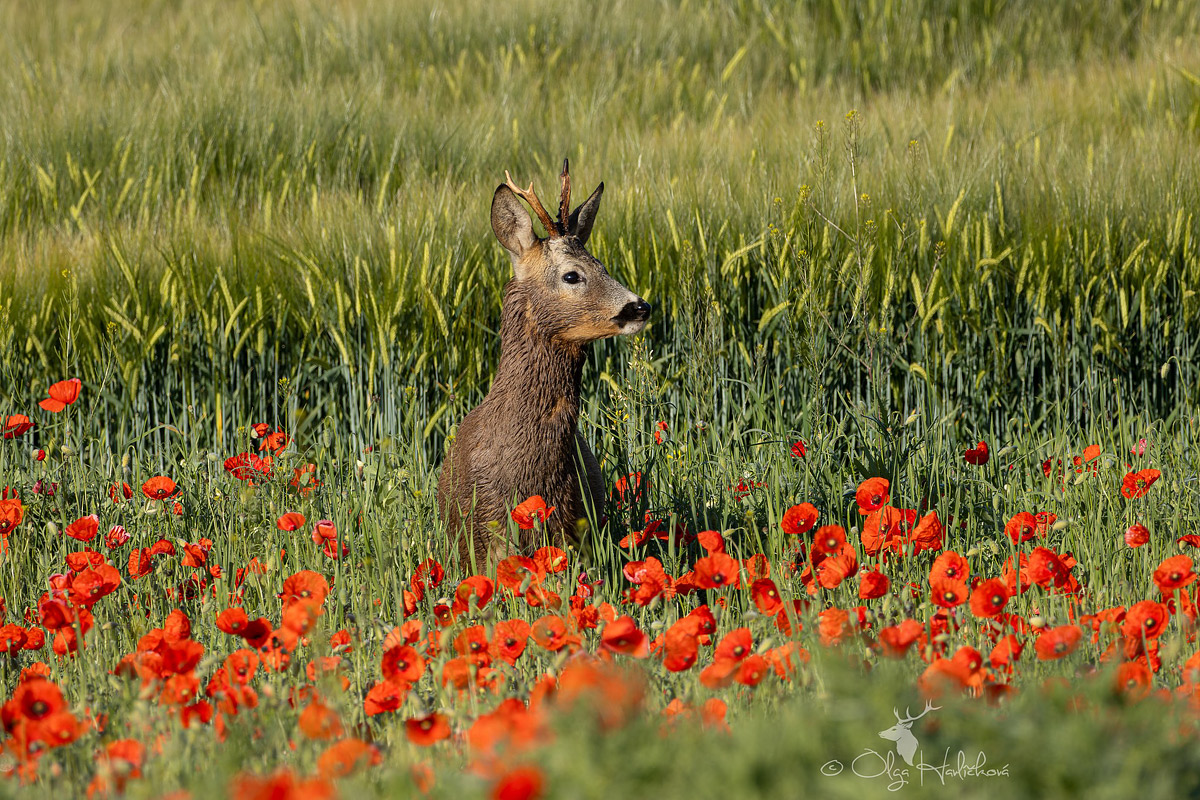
x: 551, y: 559
x: 427, y: 730
x: 897, y: 639
x: 522, y: 783
x: 530, y: 511
x: 828, y: 540
x: 872, y: 585
x: 715, y: 571
x: 736, y: 645
x: 766, y: 597
x: 115, y: 537
x: 275, y: 442
x: 84, y: 529
x: 36, y: 700
x: 1045, y: 521
x: 799, y: 449
x: 385, y: 696
x: 141, y: 563
x: 680, y: 648
x: 281, y: 784
x: 291, y: 521
x: 977, y: 455
x: 752, y: 670
x: 319, y: 721
x: 1006, y: 652
x: 1136, y: 484
x: 346, y: 757
x: 16, y: 425
x: 159, y: 488
x: 550, y: 632
x: 834, y: 625
x: 1055, y: 643
x: 711, y: 541
x: 1137, y: 535
x: 473, y: 593
x: 1021, y: 527
x: 509, y: 639
x: 1174, y: 573
x: 623, y: 636
x: 324, y: 531
x: 629, y: 489
x: 403, y: 663
x: 62, y: 394
x: 517, y: 573
x: 305, y: 585
x: 247, y: 466
x: 718, y: 674
x: 119, y: 491
x: 11, y: 514
x: 799, y: 519
x: 927, y: 533
x: 233, y: 620
x: 1145, y: 618
x: 833, y: 570
x: 472, y: 644
x: 872, y: 494
x: 304, y: 479
x: 92, y: 584
x: 989, y: 598
x: 1133, y: 679
x: 947, y: 593
x: 12, y: 639
x: 951, y: 566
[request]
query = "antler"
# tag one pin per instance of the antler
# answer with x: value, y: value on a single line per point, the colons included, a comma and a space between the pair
x: 929, y: 706
x: 564, y: 199
x: 529, y: 197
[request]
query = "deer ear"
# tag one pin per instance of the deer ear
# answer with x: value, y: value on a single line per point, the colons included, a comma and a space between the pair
x: 582, y: 218
x: 511, y: 222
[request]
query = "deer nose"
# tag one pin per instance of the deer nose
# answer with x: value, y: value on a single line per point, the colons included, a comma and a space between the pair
x: 639, y: 310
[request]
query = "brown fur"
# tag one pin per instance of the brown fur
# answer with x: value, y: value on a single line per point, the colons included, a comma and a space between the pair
x: 523, y: 440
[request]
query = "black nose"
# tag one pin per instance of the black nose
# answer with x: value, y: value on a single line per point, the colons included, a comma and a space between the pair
x: 635, y: 311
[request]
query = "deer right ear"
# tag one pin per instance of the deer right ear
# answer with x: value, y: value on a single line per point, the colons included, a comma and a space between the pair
x: 511, y: 222
x: 583, y: 217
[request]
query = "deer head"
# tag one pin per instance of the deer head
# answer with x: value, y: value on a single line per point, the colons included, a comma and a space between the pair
x: 901, y: 732
x: 570, y: 294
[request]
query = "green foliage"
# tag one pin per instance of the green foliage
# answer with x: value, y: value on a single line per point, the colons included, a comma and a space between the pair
x: 889, y: 229
x: 198, y: 202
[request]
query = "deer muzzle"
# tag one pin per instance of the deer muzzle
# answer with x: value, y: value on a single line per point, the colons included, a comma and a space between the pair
x: 633, y: 316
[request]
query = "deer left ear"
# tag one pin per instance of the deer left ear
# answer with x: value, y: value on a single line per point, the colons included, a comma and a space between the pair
x: 582, y: 218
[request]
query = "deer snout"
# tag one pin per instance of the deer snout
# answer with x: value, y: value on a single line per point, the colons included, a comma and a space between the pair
x: 635, y: 311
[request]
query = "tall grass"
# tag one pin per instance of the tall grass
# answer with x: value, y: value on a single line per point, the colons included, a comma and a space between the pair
x: 198, y: 203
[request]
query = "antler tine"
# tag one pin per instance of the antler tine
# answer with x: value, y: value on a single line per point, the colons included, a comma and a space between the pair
x: 564, y: 199
x: 897, y: 713
x: 530, y: 197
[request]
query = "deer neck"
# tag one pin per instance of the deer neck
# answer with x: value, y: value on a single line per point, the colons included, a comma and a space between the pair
x: 538, y: 378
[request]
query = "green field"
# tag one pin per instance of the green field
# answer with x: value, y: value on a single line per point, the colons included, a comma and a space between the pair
x: 886, y: 229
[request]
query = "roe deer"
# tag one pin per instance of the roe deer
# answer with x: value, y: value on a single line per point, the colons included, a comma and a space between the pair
x: 522, y: 440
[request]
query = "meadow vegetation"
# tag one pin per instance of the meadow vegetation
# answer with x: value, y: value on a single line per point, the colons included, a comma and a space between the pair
x: 874, y: 234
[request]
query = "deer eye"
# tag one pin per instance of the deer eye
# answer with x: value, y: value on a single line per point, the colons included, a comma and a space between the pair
x: 572, y: 278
